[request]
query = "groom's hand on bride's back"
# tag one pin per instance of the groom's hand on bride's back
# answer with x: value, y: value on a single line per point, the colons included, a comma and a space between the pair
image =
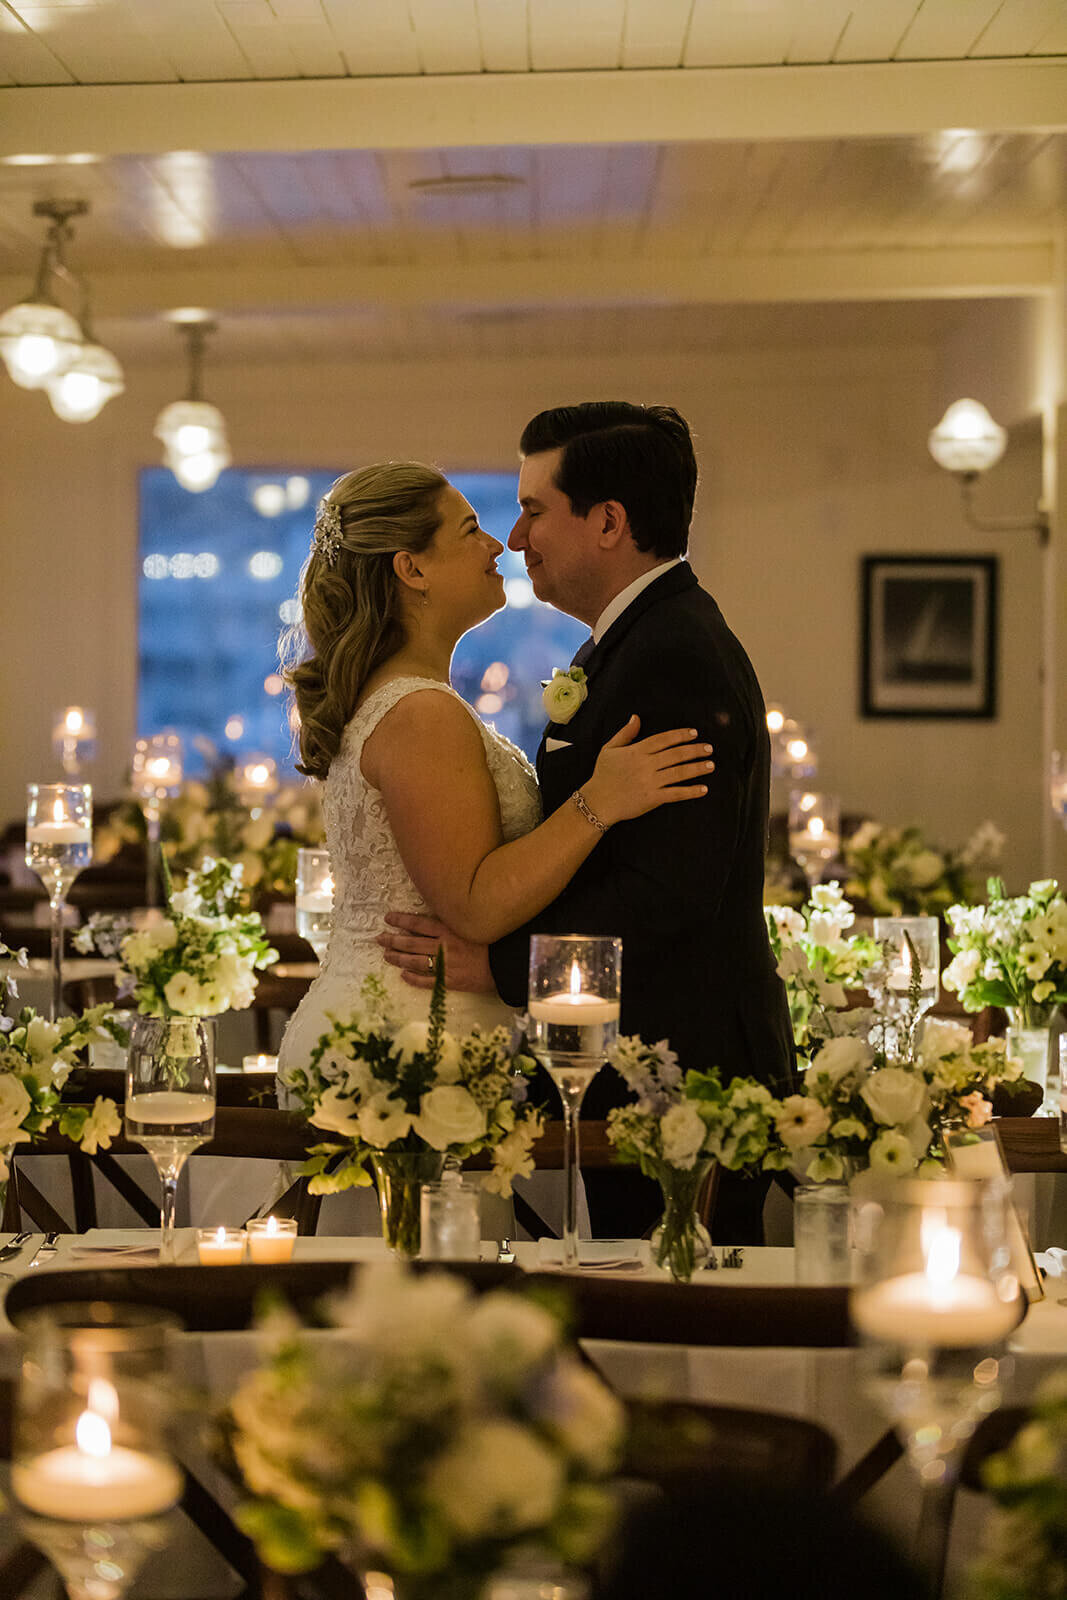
x: 410, y: 944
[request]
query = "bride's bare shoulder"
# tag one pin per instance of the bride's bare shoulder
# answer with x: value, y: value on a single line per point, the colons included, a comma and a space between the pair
x: 427, y: 719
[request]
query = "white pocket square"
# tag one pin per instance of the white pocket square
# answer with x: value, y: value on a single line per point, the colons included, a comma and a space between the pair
x: 557, y: 744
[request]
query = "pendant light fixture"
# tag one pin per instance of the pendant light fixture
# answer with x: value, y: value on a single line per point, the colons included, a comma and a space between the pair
x: 46, y: 346
x: 193, y: 431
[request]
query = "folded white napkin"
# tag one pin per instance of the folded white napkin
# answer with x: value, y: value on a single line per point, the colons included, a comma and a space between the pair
x: 114, y: 1255
x: 596, y: 1255
x: 1053, y: 1262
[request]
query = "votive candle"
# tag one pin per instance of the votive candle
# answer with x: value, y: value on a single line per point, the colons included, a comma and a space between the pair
x: 271, y: 1239
x: 220, y: 1247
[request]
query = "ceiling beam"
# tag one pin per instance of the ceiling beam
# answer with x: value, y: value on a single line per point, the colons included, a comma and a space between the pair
x: 541, y: 284
x: 538, y: 108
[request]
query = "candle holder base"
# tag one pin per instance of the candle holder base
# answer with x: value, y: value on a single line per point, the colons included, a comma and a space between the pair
x: 98, y: 1560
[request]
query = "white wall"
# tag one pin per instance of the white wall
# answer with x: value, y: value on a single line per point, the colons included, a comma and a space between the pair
x: 810, y: 458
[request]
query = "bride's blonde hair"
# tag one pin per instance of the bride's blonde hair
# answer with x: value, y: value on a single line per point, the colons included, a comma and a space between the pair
x: 349, y: 596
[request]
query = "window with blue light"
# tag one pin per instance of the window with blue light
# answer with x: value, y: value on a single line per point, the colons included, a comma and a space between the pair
x: 218, y: 584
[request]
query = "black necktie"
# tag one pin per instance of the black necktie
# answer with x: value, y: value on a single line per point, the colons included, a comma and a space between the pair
x: 584, y: 651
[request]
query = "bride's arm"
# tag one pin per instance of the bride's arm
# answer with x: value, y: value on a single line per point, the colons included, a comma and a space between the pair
x: 427, y: 759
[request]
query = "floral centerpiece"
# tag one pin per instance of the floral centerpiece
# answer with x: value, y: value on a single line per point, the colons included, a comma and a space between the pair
x: 1026, y: 1550
x: 898, y: 873
x: 859, y: 1110
x: 428, y: 1436
x: 200, y: 959
x: 1011, y: 952
x: 401, y: 1097
x: 36, y: 1059
x: 679, y: 1126
x: 816, y: 961
x: 210, y: 819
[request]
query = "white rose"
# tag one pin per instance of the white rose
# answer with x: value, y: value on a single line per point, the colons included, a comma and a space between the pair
x: 186, y: 997
x: 892, y: 1153
x: 411, y: 1040
x: 14, y: 1104
x: 801, y: 1121
x: 563, y: 694
x: 384, y: 1119
x: 841, y: 1056
x: 923, y: 868
x: 336, y: 1114
x: 825, y: 929
x: 507, y: 1335
x: 498, y: 1478
x: 683, y: 1132
x: 941, y: 1038
x: 583, y: 1414
x: 163, y: 936
x: 894, y: 1095
x: 449, y: 1115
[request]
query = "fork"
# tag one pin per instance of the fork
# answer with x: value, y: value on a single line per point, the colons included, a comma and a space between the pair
x: 10, y: 1250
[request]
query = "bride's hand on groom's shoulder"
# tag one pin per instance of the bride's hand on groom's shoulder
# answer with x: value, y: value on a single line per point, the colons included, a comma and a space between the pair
x: 410, y: 944
x: 634, y: 775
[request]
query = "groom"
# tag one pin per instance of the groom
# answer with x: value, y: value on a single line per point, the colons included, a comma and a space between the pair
x: 606, y: 493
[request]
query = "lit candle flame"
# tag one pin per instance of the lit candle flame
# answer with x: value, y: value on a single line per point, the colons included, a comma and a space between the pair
x: 327, y: 884
x: 92, y: 1435
x: 797, y: 749
x: 74, y: 720
x: 258, y: 775
x: 272, y: 1225
x: 103, y: 1399
x: 941, y: 1247
x: 816, y: 827
x: 576, y: 978
x: 59, y: 811
x: 159, y: 766
x: 220, y: 1236
x: 775, y: 721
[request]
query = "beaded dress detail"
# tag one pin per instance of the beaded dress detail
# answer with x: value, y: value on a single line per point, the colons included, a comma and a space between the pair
x: 370, y: 877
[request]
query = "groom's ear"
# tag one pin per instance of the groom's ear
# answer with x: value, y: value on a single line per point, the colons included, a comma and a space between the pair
x: 407, y: 571
x: 614, y: 524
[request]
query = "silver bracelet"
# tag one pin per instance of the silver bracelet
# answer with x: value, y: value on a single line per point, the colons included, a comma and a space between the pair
x: 578, y: 799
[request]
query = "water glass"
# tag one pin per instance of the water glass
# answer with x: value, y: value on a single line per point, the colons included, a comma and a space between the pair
x: 822, y: 1233
x: 450, y: 1221
x: 1062, y: 1045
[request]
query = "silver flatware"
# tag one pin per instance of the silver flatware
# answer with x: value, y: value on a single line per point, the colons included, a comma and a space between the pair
x: 47, y: 1247
x: 15, y: 1245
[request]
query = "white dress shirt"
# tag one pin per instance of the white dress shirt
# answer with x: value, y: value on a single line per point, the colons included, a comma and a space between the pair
x: 615, y: 608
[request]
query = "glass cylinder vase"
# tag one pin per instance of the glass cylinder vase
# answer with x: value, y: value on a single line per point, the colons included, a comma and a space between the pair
x: 399, y: 1175
x: 1029, y: 1037
x: 681, y: 1243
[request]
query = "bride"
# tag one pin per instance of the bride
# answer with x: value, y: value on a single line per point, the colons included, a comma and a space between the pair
x: 427, y: 809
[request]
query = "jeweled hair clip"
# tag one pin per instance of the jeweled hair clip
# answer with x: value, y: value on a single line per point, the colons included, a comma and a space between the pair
x: 327, y: 533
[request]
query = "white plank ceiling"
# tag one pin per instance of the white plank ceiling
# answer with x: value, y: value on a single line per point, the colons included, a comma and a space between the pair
x: 396, y: 173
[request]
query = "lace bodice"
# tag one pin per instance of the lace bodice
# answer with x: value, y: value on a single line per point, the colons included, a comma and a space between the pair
x: 369, y: 876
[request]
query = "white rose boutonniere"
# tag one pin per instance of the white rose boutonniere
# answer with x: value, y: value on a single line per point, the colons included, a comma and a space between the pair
x: 564, y: 693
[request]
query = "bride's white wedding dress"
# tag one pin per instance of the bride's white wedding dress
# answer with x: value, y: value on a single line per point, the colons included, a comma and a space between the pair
x: 370, y: 879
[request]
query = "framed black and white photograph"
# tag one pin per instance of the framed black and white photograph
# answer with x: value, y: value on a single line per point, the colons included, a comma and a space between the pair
x: 929, y: 630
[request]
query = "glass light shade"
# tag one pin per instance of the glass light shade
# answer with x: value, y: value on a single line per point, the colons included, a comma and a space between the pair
x: 37, y: 342
x: 81, y: 392
x: 190, y: 427
x: 967, y: 439
x: 198, y: 472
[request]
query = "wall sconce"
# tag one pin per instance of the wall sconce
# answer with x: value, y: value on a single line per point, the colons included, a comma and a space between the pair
x: 968, y: 442
x: 47, y: 347
x: 193, y: 431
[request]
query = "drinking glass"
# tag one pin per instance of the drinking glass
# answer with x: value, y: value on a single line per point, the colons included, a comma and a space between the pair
x: 59, y: 845
x: 314, y: 898
x: 899, y: 937
x: 822, y: 1232
x: 814, y: 831
x: 156, y: 776
x: 937, y: 1298
x: 170, y: 1100
x: 573, y: 1023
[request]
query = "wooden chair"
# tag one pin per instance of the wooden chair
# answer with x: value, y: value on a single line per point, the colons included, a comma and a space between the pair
x: 675, y: 1443
x: 279, y: 988
x: 240, y: 1131
x: 1032, y: 1144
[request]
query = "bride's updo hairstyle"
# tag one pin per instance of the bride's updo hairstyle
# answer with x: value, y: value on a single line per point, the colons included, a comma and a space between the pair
x: 350, y: 596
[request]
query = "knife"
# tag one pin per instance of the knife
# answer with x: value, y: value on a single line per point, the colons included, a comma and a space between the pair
x: 15, y: 1245
x: 47, y: 1247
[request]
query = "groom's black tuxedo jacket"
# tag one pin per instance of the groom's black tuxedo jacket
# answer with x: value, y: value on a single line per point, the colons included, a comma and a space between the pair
x: 683, y: 885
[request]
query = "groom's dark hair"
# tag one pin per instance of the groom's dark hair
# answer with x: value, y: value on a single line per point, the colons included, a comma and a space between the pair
x: 641, y: 456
